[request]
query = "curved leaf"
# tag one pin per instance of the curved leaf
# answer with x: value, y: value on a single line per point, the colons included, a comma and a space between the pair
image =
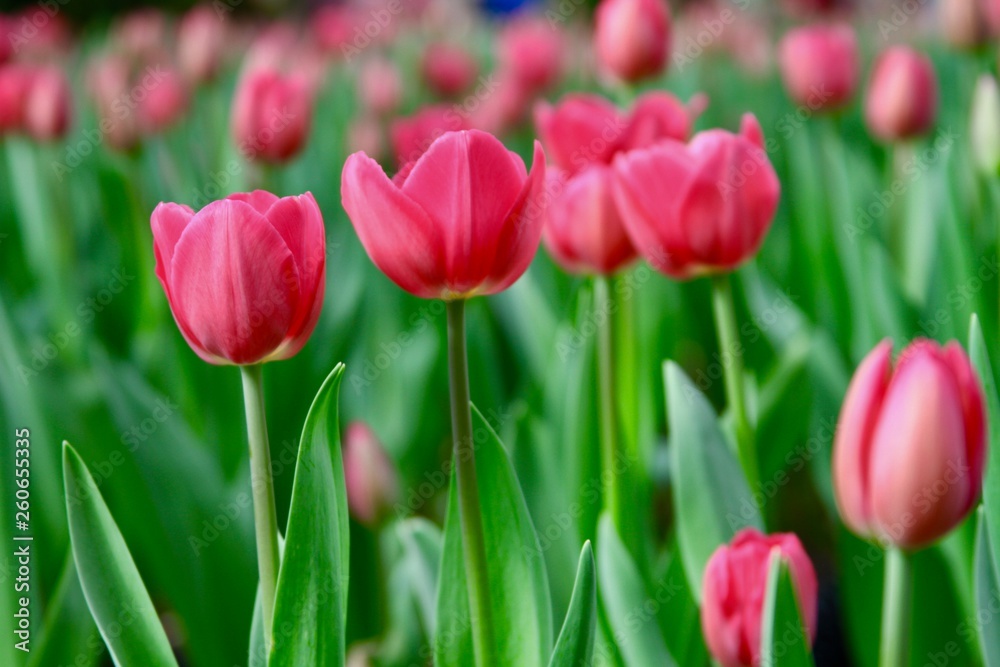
x: 117, y: 598
x: 987, y: 593
x: 991, y: 481
x: 784, y: 641
x: 575, y: 645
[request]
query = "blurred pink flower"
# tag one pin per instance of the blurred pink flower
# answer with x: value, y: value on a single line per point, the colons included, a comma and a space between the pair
x: 532, y: 52
x: 819, y: 65
x: 369, y: 475
x: 271, y: 115
x: 448, y: 69
x: 902, y: 95
x: 632, y: 38
x: 201, y: 41
x: 380, y: 86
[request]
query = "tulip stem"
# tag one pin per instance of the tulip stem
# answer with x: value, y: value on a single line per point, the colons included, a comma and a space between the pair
x: 731, y: 356
x: 469, y: 508
x: 262, y: 484
x: 606, y: 396
x: 896, y: 608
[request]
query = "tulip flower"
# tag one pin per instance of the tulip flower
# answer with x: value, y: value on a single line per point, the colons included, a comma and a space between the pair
x: 271, y: 115
x: 583, y: 229
x: 734, y: 587
x: 164, y: 103
x: 819, y: 66
x: 47, y: 104
x: 448, y: 70
x: 902, y: 95
x: 201, y: 40
x: 380, y: 87
x: 532, y: 53
x: 910, y: 445
x: 985, y: 126
x: 964, y: 23
x: 369, y: 475
x: 632, y: 38
x: 244, y: 276
x: 701, y: 208
x: 14, y: 83
x: 415, y: 230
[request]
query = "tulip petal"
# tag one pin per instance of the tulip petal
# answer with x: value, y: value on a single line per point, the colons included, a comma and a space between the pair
x: 581, y: 130
x: 260, y: 200
x: 230, y: 281
x: 397, y: 234
x: 852, y: 448
x: 974, y: 412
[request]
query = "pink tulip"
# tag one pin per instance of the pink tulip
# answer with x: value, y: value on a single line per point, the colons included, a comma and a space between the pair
x: 902, y: 95
x: 448, y: 70
x: 733, y: 590
x: 141, y: 33
x: 532, y: 53
x: 369, y: 475
x: 700, y: 208
x: 47, y: 104
x: 584, y: 129
x: 201, y: 40
x: 333, y: 27
x: 271, y: 115
x: 464, y: 219
x: 964, y: 23
x: 14, y: 83
x: 583, y: 229
x: 379, y: 86
x: 244, y: 276
x: 632, y: 38
x: 413, y: 135
x: 819, y: 65
x: 910, y: 444
x: 164, y: 102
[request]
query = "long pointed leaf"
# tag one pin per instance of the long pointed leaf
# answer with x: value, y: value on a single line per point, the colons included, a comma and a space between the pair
x: 575, y: 645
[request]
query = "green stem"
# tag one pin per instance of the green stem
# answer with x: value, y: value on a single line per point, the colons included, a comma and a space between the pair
x: 469, y: 508
x: 611, y: 485
x: 264, y: 514
x: 896, y: 609
x: 731, y: 356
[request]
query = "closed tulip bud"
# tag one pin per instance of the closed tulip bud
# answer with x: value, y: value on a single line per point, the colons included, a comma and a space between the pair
x: 413, y: 135
x: 583, y: 229
x: 699, y: 208
x: 632, y: 38
x: 380, y: 87
x: 163, y: 103
x: 964, y: 22
x: 271, y: 115
x: 448, y: 70
x: 819, y: 66
x: 910, y: 444
x: 464, y: 219
x: 47, y: 104
x: 370, y: 476
x: 733, y: 591
x: 201, y: 38
x: 244, y: 276
x: 902, y: 95
x: 985, y: 126
x: 531, y: 52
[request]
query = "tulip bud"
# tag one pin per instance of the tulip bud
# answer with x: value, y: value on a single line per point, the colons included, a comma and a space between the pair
x: 271, y: 115
x: 47, y: 104
x: 448, y: 70
x: 201, y: 38
x: 465, y: 219
x: 164, y: 102
x: 370, y: 477
x: 910, y: 444
x: 244, y: 276
x: 819, y: 66
x: 532, y: 53
x: 379, y: 86
x: 733, y: 591
x: 902, y: 95
x: 699, y: 208
x: 985, y: 126
x: 632, y: 38
x: 964, y: 23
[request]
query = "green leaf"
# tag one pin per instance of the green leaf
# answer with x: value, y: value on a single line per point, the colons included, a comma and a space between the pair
x: 627, y: 604
x: 987, y: 592
x: 991, y: 482
x: 783, y: 637
x: 709, y: 486
x: 311, y: 596
x: 518, y: 584
x: 110, y: 580
x: 421, y: 542
x: 575, y: 645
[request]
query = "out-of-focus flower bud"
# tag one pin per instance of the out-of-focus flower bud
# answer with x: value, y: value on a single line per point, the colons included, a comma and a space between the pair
x: 201, y: 38
x: 369, y: 474
x: 819, y: 65
x: 165, y: 100
x: 902, y: 95
x: 532, y: 53
x: 380, y: 86
x: 632, y: 38
x: 985, y: 126
x: 448, y: 70
x: 47, y: 104
x: 271, y: 115
x: 964, y: 23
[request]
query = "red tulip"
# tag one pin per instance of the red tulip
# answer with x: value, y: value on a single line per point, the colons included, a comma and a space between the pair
x: 448, y: 70
x: 47, y: 104
x: 244, y: 276
x: 735, y: 583
x: 586, y: 129
x: 910, y: 444
x: 413, y: 135
x: 201, y: 40
x: 271, y: 115
x: 163, y: 103
x: 819, y: 65
x: 379, y: 86
x: 369, y: 475
x: 632, y: 37
x: 583, y: 229
x: 532, y: 53
x: 701, y: 208
x: 464, y: 219
x: 902, y: 95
